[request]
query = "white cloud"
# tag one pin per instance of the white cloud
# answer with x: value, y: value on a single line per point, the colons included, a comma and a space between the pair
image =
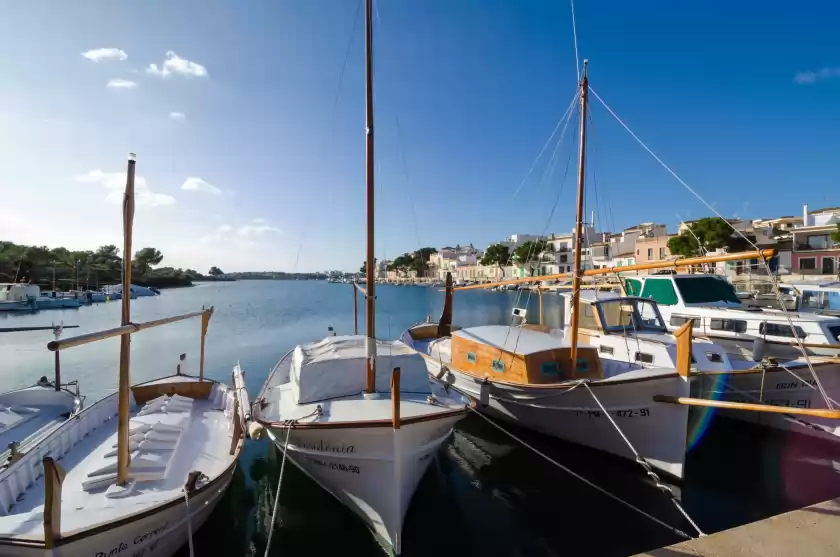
x: 174, y: 64
x: 105, y: 54
x: 197, y: 184
x: 121, y: 84
x: 258, y: 221
x: 809, y: 78
x: 225, y: 228
x: 115, y: 182
x: 257, y: 230
x: 178, y: 116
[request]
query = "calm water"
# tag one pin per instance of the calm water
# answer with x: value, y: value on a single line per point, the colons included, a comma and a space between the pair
x: 484, y: 495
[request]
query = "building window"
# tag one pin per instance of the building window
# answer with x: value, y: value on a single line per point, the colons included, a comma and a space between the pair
x: 780, y: 330
x: 498, y: 366
x: 818, y: 242
x: 807, y: 263
x: 637, y: 252
x: 471, y: 357
x: 650, y: 253
x: 731, y: 325
x: 662, y: 253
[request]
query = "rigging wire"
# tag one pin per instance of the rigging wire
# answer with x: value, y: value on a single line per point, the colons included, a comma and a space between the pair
x: 574, y: 34
x: 547, y: 142
x: 347, y: 54
x: 773, y: 278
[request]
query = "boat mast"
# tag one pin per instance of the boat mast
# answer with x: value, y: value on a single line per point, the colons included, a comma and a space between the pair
x: 575, y: 305
x: 370, y: 287
x: 125, y: 340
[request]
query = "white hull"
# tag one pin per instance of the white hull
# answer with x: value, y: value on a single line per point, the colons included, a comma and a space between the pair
x: 741, y: 350
x: 158, y: 534
x: 374, y: 471
x: 780, y: 388
x: 657, y: 430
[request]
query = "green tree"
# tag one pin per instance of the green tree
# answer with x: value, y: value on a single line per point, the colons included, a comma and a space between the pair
x: 712, y: 232
x: 144, y: 259
x: 363, y: 268
x: 497, y: 254
x: 213, y: 272
x: 402, y: 264
x: 528, y: 254
x: 836, y: 235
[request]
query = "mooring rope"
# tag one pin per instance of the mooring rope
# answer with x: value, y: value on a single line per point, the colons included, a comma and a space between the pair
x: 584, y: 480
x: 189, y: 523
x: 646, y: 465
x: 288, y: 425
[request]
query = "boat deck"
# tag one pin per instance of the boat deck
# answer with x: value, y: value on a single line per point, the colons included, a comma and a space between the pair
x: 355, y: 408
x: 170, y: 437
x: 29, y: 414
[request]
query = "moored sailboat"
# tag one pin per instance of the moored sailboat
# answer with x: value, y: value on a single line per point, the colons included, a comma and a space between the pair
x: 358, y: 415
x: 135, y: 472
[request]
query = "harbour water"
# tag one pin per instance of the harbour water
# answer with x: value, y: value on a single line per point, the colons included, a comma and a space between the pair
x: 485, y: 495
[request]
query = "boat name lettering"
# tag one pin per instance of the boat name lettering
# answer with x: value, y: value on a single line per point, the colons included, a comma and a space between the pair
x: 337, y: 466
x: 800, y: 403
x: 123, y: 546
x: 797, y: 384
x: 323, y: 447
x: 638, y: 413
x: 150, y: 535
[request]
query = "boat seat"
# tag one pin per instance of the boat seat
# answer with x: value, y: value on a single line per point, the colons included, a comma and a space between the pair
x: 152, y: 444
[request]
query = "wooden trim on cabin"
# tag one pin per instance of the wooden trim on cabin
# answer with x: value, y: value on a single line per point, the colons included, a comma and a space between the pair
x: 198, y: 390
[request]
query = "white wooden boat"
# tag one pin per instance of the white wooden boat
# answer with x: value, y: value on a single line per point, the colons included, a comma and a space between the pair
x: 747, y: 333
x: 18, y: 297
x: 328, y: 405
x: 345, y: 439
x: 136, y: 472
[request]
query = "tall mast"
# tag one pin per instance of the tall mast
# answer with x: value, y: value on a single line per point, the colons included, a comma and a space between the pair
x: 573, y: 339
x: 125, y: 340
x: 370, y: 287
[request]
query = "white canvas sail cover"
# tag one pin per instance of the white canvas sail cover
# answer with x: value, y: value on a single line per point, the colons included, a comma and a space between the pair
x: 335, y: 367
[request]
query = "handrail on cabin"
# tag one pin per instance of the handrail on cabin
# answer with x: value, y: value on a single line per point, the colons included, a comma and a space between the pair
x: 676, y: 263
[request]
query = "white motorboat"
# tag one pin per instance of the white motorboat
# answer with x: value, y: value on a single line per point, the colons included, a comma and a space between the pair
x: 329, y: 406
x: 135, y: 473
x: 19, y: 297
x: 747, y: 333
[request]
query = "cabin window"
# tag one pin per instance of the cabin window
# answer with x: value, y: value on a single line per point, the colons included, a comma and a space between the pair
x: 701, y: 290
x: 714, y: 357
x: 498, y: 366
x: 644, y: 358
x: 587, y: 316
x: 582, y: 366
x: 660, y: 290
x: 606, y: 350
x: 633, y: 287
x: 680, y: 320
x: 780, y: 330
x: 471, y: 357
x: 549, y: 368
x: 731, y: 325
x: 835, y: 330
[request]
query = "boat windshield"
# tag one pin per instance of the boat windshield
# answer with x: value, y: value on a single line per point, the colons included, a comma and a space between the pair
x: 628, y: 315
x: 703, y: 290
x: 835, y: 330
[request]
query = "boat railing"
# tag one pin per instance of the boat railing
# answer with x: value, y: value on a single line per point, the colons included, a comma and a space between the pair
x: 71, y: 342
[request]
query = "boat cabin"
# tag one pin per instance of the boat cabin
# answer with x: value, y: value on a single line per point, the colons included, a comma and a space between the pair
x: 521, y: 355
x: 815, y: 296
x: 18, y: 292
x: 609, y: 313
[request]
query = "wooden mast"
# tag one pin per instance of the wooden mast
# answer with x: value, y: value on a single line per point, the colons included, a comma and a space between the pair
x: 125, y: 340
x: 573, y: 338
x: 370, y: 295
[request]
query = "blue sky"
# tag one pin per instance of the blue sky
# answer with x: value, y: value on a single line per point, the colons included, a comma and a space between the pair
x: 264, y: 169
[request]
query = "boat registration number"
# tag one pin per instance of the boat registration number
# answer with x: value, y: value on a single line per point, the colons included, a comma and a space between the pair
x: 638, y: 413
x: 349, y: 468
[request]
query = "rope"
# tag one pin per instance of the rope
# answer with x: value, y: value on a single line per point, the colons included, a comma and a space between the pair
x: 774, y: 278
x: 574, y: 34
x: 646, y: 465
x: 288, y: 426
x: 584, y: 480
x: 189, y: 523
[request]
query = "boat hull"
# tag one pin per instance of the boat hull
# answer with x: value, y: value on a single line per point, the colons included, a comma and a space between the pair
x: 779, y: 387
x: 742, y: 350
x: 159, y: 532
x: 656, y: 430
x: 374, y: 471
